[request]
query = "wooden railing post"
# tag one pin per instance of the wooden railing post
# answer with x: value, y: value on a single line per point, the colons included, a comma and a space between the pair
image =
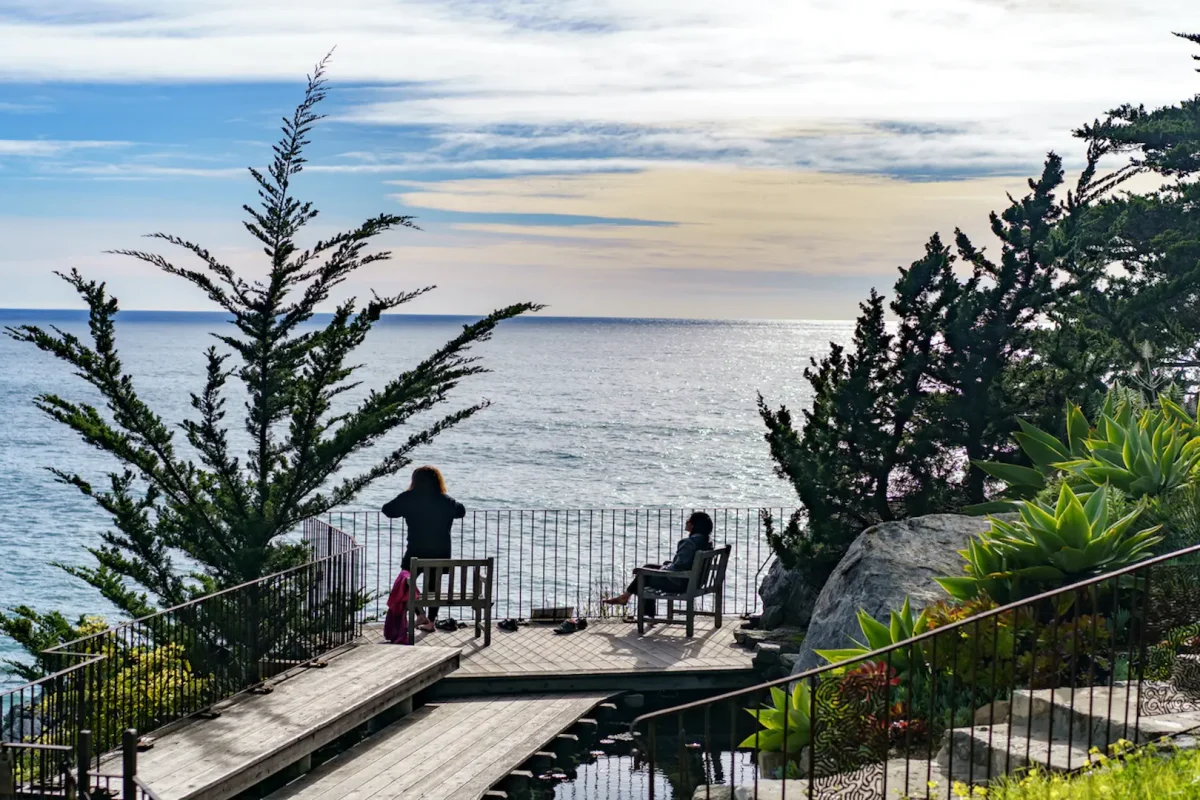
x: 129, y: 764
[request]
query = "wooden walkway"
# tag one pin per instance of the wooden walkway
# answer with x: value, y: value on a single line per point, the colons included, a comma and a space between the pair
x: 603, y: 648
x: 257, y: 736
x: 455, y: 750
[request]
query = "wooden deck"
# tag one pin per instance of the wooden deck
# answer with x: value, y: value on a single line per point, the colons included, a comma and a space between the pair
x: 259, y: 735
x: 603, y: 649
x: 455, y: 750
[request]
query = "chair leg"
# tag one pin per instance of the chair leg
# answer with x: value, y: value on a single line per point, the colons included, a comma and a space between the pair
x: 487, y: 627
x: 670, y: 611
x: 641, y: 607
x: 717, y: 610
x: 691, y: 618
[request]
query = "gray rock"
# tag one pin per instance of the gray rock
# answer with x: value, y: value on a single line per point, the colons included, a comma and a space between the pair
x: 788, y: 660
x: 766, y: 654
x: 995, y: 713
x: 789, y: 591
x: 22, y: 723
x: 885, y: 564
x: 772, y: 617
x: 788, y: 639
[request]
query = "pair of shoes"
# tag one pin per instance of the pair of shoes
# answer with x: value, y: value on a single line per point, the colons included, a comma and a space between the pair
x: 571, y: 625
x: 448, y: 625
x: 508, y: 625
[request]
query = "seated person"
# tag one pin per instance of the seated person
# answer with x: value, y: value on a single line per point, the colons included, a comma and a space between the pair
x: 699, y: 527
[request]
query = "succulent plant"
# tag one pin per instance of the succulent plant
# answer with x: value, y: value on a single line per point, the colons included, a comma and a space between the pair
x: 790, y: 710
x: 1058, y: 544
x: 903, y: 626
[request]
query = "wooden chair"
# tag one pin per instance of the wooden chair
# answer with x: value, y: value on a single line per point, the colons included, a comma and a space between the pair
x: 474, y: 589
x: 707, y: 577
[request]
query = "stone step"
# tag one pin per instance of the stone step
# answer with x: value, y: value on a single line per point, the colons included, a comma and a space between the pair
x: 1099, y: 716
x: 983, y: 753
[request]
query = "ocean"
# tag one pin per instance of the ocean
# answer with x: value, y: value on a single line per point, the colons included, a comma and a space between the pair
x: 585, y: 414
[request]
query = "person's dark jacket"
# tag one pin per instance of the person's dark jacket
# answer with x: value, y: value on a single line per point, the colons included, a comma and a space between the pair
x: 429, y: 518
x: 685, y: 552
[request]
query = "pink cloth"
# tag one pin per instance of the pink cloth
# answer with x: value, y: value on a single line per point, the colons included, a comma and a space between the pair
x: 395, y: 624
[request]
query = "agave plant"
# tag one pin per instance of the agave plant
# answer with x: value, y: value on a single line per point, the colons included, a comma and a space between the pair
x: 1143, y: 451
x: 787, y: 710
x: 1150, y: 454
x: 1069, y: 541
x: 903, y: 626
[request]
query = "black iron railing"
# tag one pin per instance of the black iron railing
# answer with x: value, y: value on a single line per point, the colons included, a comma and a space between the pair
x: 146, y: 673
x: 549, y: 558
x: 1052, y: 682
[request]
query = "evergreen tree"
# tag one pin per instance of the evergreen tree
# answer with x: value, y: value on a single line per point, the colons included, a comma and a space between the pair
x: 897, y: 421
x: 1136, y: 275
x: 223, y: 513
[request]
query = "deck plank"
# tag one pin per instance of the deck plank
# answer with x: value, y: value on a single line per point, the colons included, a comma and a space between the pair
x: 455, y: 750
x: 258, y: 735
x: 603, y: 648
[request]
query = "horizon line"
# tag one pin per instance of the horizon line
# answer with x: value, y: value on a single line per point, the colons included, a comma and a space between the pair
x: 523, y: 317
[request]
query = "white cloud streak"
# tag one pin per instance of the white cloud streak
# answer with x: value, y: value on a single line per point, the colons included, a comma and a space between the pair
x: 704, y: 80
x: 48, y: 148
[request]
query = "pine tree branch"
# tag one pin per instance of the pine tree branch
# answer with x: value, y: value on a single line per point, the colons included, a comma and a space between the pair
x: 143, y: 439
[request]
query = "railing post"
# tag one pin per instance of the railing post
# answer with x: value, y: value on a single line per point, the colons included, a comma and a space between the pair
x: 83, y: 774
x: 129, y: 764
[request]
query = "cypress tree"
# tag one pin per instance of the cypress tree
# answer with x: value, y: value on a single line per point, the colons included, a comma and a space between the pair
x: 1137, y: 270
x: 898, y: 418
x: 185, y: 524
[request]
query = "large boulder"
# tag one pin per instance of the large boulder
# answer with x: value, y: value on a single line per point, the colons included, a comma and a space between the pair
x: 21, y: 723
x: 787, y: 598
x: 885, y: 564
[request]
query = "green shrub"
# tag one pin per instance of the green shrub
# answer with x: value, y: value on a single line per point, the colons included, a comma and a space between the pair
x: 1143, y: 451
x: 903, y: 626
x: 1049, y: 546
x: 1157, y: 771
x: 791, y: 710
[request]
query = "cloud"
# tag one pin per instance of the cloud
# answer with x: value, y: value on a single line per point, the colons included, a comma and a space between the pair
x: 22, y: 108
x: 48, y: 148
x: 719, y: 219
x: 134, y: 171
x: 938, y: 87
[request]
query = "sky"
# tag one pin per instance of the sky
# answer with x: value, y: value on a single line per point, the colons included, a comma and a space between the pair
x: 666, y: 158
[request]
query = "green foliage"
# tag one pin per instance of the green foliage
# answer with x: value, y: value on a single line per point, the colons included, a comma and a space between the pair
x: 787, y: 710
x: 1141, y: 450
x: 1098, y: 287
x: 1155, y: 771
x: 304, y: 441
x: 1050, y: 546
x: 903, y: 625
x: 1135, y: 270
x: 895, y: 413
x: 37, y: 633
x: 109, y: 669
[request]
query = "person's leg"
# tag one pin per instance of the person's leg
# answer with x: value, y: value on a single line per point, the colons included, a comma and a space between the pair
x: 631, y: 589
x: 423, y: 622
x: 433, y: 612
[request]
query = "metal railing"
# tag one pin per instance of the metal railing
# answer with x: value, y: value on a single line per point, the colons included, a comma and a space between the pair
x: 1052, y: 682
x: 67, y: 772
x: 179, y: 662
x: 550, y: 558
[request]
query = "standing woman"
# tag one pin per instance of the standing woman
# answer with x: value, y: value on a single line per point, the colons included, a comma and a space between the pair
x: 429, y: 514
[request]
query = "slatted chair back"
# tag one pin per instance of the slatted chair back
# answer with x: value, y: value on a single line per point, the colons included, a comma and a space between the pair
x: 455, y: 583
x: 708, y: 571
